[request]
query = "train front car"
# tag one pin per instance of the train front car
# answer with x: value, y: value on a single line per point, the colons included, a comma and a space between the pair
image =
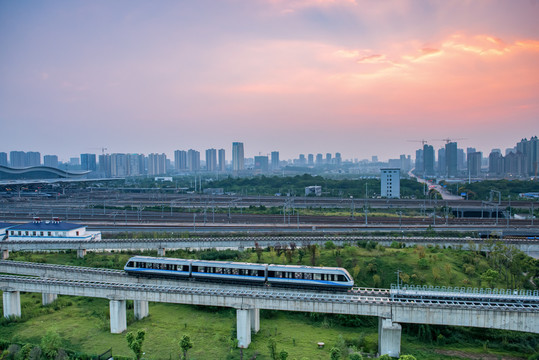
x: 230, y: 272
x: 316, y: 278
x: 158, y: 267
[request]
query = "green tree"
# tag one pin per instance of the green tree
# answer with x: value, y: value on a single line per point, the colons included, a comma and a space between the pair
x: 134, y: 341
x: 185, y: 345
x: 355, y: 356
x: 283, y: 355
x: 407, y: 357
x: 490, y: 277
x: 50, y: 344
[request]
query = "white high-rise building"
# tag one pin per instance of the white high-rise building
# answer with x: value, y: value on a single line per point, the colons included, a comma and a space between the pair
x: 211, y: 159
x: 222, y: 162
x: 390, y: 183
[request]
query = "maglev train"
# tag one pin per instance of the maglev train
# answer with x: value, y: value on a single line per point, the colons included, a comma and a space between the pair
x: 322, y: 278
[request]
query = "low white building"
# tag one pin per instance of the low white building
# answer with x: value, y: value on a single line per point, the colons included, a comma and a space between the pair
x: 315, y: 190
x: 390, y: 183
x: 51, y: 230
x: 3, y: 229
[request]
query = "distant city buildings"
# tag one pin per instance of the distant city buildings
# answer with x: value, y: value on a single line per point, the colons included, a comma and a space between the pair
x: 448, y: 161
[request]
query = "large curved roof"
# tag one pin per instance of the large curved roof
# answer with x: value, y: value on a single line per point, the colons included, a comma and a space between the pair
x: 38, y: 172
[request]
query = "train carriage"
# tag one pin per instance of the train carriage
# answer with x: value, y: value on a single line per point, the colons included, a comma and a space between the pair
x: 150, y: 266
x: 229, y: 271
x: 309, y: 277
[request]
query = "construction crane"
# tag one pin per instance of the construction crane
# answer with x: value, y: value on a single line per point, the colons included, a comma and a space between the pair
x: 423, y: 142
x: 448, y: 140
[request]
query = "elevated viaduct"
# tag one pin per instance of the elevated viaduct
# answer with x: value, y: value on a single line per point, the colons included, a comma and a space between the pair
x: 509, y: 311
x: 529, y: 247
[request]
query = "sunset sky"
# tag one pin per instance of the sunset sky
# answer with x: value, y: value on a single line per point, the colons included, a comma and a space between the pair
x: 358, y: 77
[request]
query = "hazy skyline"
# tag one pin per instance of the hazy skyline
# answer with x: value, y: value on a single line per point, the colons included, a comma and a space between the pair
x: 357, y: 77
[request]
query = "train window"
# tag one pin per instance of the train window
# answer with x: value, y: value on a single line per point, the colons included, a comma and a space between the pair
x: 254, y: 273
x: 195, y: 268
x: 185, y: 267
x: 271, y: 273
x: 279, y: 274
x: 261, y: 273
x: 130, y: 264
x: 317, y: 276
x: 298, y: 275
x: 308, y: 276
x: 235, y: 272
x: 218, y: 270
x: 340, y: 278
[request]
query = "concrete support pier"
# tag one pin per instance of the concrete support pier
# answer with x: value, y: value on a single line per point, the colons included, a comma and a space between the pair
x: 118, y: 320
x: 81, y: 253
x: 161, y: 252
x: 48, y: 298
x: 12, y: 303
x: 5, y: 254
x: 141, y: 309
x: 389, y: 337
x: 243, y: 323
x: 255, y: 320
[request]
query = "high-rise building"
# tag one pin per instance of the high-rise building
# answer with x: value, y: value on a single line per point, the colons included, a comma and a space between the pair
x: 319, y: 160
x: 33, y: 158
x: 3, y: 159
x: 390, y: 183
x: 238, y: 157
x: 180, y: 160
x: 222, y: 160
x: 419, y: 166
x: 328, y: 159
x: 338, y: 159
x: 104, y: 165
x: 495, y: 163
x: 461, y: 160
x: 118, y: 165
x: 193, y: 160
x: 302, y: 160
x: 211, y: 160
x: 451, y: 159
x: 136, y: 164
x: 17, y: 159
x: 310, y: 159
x: 474, y: 163
x: 442, y: 168
x: 157, y: 164
x: 274, y: 160
x: 428, y: 160
x: 87, y: 162
x: 50, y: 160
x: 261, y: 164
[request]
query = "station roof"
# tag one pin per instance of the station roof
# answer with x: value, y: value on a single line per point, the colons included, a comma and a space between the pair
x: 47, y: 226
x: 4, y: 225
